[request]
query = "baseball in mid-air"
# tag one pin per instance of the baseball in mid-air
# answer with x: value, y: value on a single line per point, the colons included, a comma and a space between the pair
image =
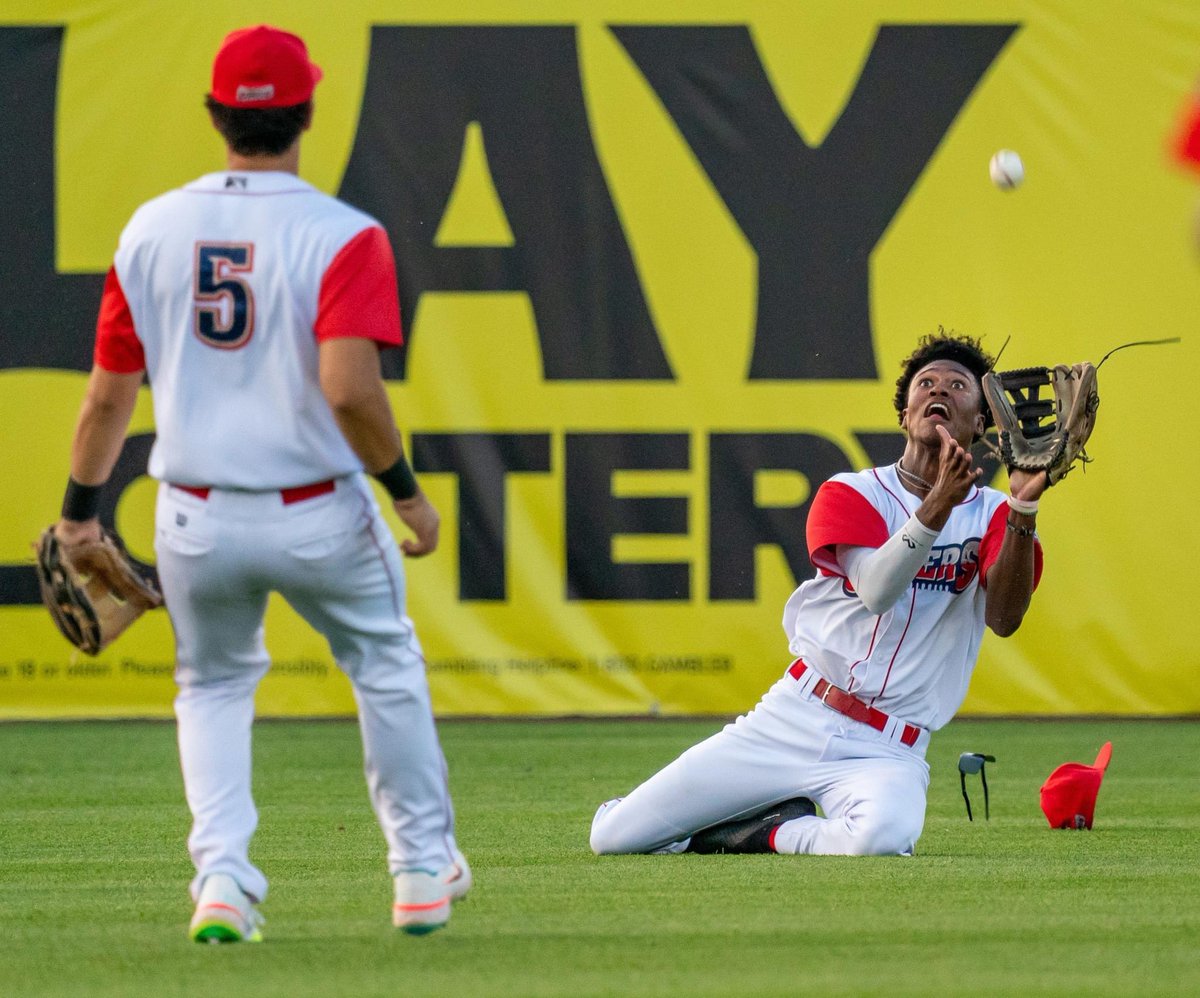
x: 1007, y: 170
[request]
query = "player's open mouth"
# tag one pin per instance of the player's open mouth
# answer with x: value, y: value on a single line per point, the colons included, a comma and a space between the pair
x: 938, y: 409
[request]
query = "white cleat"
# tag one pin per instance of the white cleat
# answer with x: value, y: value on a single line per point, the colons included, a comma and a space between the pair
x: 423, y: 898
x: 422, y: 902
x: 224, y: 913
x: 457, y: 876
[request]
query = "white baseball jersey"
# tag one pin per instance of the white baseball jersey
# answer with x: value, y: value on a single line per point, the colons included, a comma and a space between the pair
x: 915, y: 660
x: 221, y: 291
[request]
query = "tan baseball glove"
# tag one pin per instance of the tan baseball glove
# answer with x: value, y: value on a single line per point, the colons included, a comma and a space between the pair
x: 1043, y: 434
x: 92, y: 590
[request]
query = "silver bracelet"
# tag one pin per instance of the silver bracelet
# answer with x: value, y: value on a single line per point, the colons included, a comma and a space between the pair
x: 1019, y: 531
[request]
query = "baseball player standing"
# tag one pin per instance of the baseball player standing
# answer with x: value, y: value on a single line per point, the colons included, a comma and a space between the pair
x: 913, y: 560
x: 257, y: 307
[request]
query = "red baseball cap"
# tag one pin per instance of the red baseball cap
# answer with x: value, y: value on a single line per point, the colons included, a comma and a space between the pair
x: 263, y: 67
x: 1069, y: 793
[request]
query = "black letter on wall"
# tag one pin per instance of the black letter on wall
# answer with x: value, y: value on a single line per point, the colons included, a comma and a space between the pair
x: 47, y: 319
x: 481, y: 461
x: 424, y: 86
x: 737, y: 526
x: 594, y: 516
x: 813, y: 215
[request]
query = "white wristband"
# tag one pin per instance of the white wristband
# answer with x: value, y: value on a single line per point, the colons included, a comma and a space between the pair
x: 1027, y: 507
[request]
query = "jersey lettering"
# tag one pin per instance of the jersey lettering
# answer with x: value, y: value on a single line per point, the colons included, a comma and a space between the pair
x: 223, y: 316
x: 951, y: 567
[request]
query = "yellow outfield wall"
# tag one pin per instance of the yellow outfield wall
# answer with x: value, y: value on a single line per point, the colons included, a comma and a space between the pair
x: 661, y: 262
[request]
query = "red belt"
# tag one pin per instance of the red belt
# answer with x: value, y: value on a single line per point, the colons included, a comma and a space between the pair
x: 835, y: 698
x: 296, y: 494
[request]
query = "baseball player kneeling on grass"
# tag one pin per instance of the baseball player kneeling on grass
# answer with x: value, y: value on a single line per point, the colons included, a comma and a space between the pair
x: 913, y: 560
x: 257, y: 307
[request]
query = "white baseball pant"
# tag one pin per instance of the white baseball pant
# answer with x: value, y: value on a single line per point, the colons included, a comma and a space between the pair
x: 871, y: 789
x: 336, y: 563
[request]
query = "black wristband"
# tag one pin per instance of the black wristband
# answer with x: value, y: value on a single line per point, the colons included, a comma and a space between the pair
x: 81, y: 502
x: 398, y: 479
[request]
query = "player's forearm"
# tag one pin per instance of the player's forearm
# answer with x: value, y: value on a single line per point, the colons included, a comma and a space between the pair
x: 103, y: 421
x: 1010, y: 579
x: 881, y: 576
x: 370, y: 430
x: 352, y: 384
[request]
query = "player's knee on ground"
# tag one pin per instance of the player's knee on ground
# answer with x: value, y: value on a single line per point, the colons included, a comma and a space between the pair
x: 880, y: 831
x: 605, y: 838
x: 605, y: 844
x: 612, y: 836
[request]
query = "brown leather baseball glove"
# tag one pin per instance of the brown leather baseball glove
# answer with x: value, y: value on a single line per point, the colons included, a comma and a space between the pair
x: 92, y: 590
x: 1043, y: 434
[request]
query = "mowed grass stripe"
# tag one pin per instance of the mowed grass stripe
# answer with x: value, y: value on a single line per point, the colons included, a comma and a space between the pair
x: 93, y: 874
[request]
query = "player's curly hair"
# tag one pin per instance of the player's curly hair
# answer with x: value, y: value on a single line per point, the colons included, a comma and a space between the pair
x: 944, y: 345
x: 259, y: 131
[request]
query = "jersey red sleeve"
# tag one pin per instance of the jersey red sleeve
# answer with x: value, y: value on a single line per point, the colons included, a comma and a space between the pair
x: 359, y: 295
x: 989, y: 547
x: 118, y: 348
x: 841, y: 515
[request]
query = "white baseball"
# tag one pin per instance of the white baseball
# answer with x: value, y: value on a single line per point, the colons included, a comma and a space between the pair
x: 1006, y: 169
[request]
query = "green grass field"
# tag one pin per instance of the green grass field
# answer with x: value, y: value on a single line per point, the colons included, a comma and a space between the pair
x: 93, y: 874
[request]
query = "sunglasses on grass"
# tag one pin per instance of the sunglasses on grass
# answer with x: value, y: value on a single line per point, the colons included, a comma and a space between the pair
x: 970, y: 763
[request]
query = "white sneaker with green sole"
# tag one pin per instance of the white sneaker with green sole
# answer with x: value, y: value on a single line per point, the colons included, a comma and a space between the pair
x: 224, y: 914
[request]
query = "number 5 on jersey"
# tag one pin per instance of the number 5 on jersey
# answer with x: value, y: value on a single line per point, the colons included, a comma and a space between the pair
x: 223, y: 314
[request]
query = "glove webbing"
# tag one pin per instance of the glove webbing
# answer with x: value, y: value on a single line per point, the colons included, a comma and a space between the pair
x: 1025, y: 385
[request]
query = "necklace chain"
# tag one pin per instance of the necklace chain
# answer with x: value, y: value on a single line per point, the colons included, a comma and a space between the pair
x: 913, y: 477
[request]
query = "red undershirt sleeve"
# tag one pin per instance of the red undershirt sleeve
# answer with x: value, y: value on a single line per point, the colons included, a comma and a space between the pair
x: 118, y: 349
x: 841, y: 515
x: 989, y: 547
x: 359, y: 294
